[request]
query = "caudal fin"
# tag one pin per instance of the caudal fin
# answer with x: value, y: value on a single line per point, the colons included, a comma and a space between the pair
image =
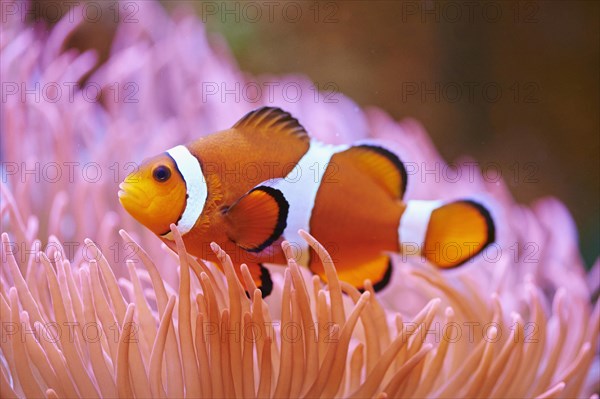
x: 447, y: 235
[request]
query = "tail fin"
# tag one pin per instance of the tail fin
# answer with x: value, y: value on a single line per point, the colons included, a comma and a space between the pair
x: 447, y: 235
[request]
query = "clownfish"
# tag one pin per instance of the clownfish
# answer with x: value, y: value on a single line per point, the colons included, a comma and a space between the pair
x: 252, y: 186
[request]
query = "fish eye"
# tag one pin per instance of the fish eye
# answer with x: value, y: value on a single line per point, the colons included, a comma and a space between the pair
x: 161, y: 173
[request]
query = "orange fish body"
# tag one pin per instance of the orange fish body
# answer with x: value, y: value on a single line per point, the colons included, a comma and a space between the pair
x: 250, y: 187
x: 229, y: 175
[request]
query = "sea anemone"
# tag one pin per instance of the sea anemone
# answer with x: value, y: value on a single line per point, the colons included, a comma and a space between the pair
x: 123, y: 315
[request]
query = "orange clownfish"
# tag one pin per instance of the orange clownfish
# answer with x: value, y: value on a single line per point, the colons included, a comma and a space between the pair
x: 250, y: 187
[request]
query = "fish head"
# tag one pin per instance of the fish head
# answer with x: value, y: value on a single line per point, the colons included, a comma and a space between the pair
x: 154, y: 194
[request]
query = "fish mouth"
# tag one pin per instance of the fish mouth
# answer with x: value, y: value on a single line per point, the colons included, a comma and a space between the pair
x: 126, y: 192
x: 132, y: 197
x: 122, y: 193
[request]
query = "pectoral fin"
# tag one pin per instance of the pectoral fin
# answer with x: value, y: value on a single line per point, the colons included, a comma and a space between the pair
x: 257, y: 219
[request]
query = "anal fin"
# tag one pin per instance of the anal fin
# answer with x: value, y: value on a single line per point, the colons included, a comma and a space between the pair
x: 261, y: 277
x: 354, y: 271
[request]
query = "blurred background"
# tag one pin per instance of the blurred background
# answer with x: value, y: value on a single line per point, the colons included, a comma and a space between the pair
x: 515, y: 85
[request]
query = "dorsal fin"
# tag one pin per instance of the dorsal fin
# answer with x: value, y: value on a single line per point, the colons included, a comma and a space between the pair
x: 382, y: 165
x: 273, y: 119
